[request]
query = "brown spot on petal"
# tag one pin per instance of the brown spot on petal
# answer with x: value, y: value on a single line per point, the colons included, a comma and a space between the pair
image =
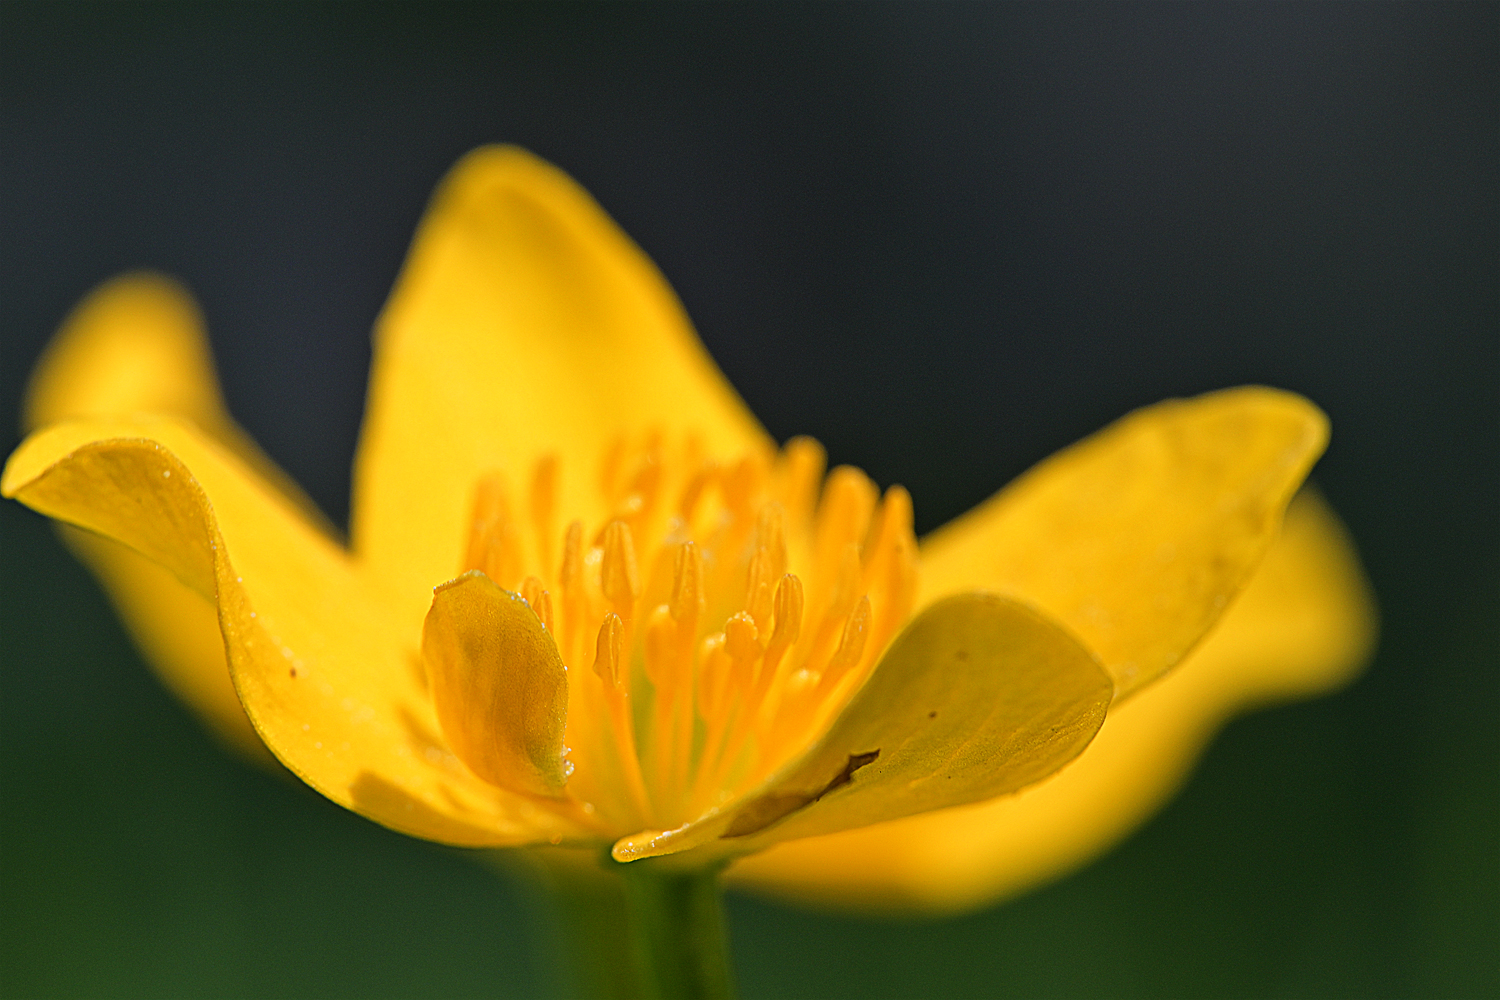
x: 761, y: 813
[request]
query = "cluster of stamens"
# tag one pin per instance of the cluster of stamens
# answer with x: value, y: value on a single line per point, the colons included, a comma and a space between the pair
x: 714, y: 621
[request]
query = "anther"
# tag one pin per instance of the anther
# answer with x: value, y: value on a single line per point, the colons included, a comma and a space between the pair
x: 770, y: 534
x: 741, y: 485
x: 609, y: 470
x: 539, y: 600
x: 658, y: 644
x: 801, y: 472
x: 759, y: 588
x: 891, y: 527
x: 851, y: 645
x: 493, y: 546
x: 714, y: 666
x: 788, y: 612
x: 544, y: 508
x: 846, y: 583
x: 619, y: 578
x: 687, y: 584
x: 740, y: 642
x: 572, y: 560
x: 687, y: 503
x: 609, y: 649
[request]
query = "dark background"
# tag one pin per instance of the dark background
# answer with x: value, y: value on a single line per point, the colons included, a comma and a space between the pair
x: 944, y: 239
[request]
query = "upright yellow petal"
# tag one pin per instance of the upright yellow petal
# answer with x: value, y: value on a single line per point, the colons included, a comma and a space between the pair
x: 330, y: 678
x: 524, y: 323
x: 1138, y: 537
x: 1304, y: 625
x: 978, y: 696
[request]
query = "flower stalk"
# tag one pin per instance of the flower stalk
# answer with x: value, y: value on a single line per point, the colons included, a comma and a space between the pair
x: 647, y: 930
x: 676, y: 920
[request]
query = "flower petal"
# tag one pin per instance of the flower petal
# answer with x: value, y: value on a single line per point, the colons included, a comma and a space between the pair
x: 524, y: 323
x: 136, y: 345
x: 330, y: 679
x: 1136, y: 538
x: 176, y: 630
x: 1303, y: 626
x: 498, y: 683
x: 978, y: 696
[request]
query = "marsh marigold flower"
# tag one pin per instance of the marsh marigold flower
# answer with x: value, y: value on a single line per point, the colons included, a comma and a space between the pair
x: 587, y: 601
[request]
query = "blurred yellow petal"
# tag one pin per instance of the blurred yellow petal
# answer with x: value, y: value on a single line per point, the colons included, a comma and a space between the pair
x: 524, y: 323
x: 1137, y: 537
x: 499, y: 687
x: 1303, y: 626
x: 177, y: 631
x: 136, y: 345
x: 978, y: 696
x: 331, y: 682
x: 133, y: 345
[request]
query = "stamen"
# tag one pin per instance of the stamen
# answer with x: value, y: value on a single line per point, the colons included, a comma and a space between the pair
x: 788, y: 630
x: 801, y: 472
x: 687, y: 504
x: 687, y: 584
x: 851, y: 645
x: 645, y: 486
x: 539, y: 601
x: 619, y: 578
x: 494, y: 544
x: 788, y: 617
x: 658, y: 644
x: 574, y: 601
x: 714, y: 667
x: 609, y: 469
x: 608, y: 653
x: 784, y: 650
x: 740, y: 486
x: 721, y: 755
x: 544, y: 509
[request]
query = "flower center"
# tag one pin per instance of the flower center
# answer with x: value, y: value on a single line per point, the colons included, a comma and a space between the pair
x: 712, y: 623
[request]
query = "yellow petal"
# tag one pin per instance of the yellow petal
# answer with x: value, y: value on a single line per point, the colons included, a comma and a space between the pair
x: 1304, y: 625
x: 1138, y: 537
x: 136, y: 345
x: 176, y: 630
x: 133, y: 345
x: 329, y: 677
x: 498, y: 683
x: 524, y: 323
x: 977, y: 697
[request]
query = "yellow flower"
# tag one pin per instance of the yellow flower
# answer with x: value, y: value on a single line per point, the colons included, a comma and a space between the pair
x: 586, y: 600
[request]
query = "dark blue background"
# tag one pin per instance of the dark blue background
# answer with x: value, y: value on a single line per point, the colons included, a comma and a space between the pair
x: 944, y: 239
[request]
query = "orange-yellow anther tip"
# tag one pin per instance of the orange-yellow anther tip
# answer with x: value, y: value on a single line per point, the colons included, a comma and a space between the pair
x: 788, y: 610
x: 539, y: 600
x: 572, y: 563
x: 852, y: 641
x: 661, y: 630
x: 608, y: 649
x: 739, y: 637
x: 687, y: 583
x: 619, y: 578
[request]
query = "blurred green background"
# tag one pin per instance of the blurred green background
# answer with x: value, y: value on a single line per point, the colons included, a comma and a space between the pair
x: 946, y: 240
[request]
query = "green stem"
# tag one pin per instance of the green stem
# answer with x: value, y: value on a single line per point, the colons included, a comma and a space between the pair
x: 642, y: 931
x: 677, y: 922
